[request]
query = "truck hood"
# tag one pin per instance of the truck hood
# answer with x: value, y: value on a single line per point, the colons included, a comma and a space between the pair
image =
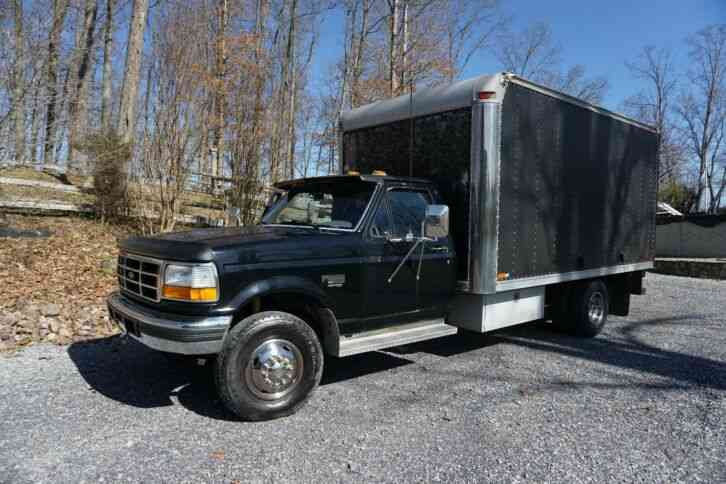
x: 230, y: 245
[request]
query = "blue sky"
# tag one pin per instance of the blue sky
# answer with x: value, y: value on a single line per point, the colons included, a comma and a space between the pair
x: 600, y: 35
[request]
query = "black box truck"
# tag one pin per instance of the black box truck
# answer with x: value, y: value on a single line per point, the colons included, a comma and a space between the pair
x: 473, y: 206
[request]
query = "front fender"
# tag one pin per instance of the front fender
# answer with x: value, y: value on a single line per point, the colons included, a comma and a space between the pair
x: 279, y: 284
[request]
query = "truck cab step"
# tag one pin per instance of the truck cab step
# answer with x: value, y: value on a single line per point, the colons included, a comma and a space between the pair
x: 394, y: 336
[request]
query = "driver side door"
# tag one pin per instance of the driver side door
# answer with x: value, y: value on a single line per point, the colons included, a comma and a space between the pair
x: 393, y: 298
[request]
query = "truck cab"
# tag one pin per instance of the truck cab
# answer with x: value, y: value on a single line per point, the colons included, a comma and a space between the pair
x: 338, y: 265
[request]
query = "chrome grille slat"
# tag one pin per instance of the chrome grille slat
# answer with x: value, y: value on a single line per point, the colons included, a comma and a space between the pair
x: 130, y: 278
x: 140, y: 272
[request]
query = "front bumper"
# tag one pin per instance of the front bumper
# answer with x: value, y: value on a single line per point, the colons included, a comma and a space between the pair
x: 172, y: 333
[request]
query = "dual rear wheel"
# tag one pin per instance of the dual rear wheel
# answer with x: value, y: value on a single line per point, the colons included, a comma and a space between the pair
x: 584, y: 309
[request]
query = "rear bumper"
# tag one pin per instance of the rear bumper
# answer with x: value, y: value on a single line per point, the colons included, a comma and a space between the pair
x: 172, y: 333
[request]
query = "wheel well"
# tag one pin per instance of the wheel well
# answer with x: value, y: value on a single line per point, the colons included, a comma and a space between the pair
x: 557, y: 296
x: 320, y: 318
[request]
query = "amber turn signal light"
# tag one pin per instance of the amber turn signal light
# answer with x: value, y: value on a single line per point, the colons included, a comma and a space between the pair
x: 201, y: 294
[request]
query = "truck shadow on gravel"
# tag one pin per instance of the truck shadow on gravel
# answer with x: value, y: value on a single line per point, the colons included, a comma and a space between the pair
x: 134, y: 375
x: 623, y: 345
x: 629, y: 346
x: 130, y: 373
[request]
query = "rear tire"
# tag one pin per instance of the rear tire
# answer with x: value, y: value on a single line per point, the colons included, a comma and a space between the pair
x: 269, y: 366
x: 582, y: 309
x: 589, y: 309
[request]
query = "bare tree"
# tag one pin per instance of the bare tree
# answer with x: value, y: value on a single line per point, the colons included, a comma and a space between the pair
x: 530, y: 53
x: 654, y: 105
x: 18, y: 82
x: 470, y: 26
x: 575, y: 82
x: 394, y: 60
x: 60, y: 10
x: 702, y: 110
x: 289, y: 89
x: 533, y: 54
x: 173, y: 140
x: 219, y: 85
x: 127, y: 111
x: 247, y: 135
x: 82, y: 69
x: 107, y: 73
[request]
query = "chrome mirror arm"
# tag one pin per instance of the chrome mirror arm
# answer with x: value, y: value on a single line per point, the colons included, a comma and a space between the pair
x: 419, y: 241
x: 405, y: 258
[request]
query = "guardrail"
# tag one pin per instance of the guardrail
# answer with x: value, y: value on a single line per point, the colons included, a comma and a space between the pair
x: 4, y: 180
x: 57, y: 207
x: 45, y: 206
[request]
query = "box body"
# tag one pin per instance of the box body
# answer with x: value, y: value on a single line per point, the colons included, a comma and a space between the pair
x: 543, y: 188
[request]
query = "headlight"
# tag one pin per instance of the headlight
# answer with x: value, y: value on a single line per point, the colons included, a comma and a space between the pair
x: 191, y: 282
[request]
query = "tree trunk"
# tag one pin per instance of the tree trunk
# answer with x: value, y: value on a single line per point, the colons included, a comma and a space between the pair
x: 392, y: 51
x: 82, y: 72
x: 107, y: 82
x: 19, y: 83
x: 404, y: 45
x: 60, y: 9
x: 253, y: 158
x: 290, y: 90
x: 219, y: 88
x: 35, y: 121
x: 134, y: 52
x: 357, y: 67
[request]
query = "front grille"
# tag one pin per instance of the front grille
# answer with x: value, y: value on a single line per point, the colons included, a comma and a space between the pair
x: 139, y: 276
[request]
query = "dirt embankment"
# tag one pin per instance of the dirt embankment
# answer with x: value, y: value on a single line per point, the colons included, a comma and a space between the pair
x: 54, y: 287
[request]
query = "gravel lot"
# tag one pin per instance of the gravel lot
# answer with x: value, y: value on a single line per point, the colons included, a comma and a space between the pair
x: 645, y: 402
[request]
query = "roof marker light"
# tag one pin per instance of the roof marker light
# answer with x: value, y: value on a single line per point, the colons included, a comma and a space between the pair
x: 378, y: 173
x: 486, y: 95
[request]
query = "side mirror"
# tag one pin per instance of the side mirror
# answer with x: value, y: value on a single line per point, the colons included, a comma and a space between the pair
x: 436, y: 223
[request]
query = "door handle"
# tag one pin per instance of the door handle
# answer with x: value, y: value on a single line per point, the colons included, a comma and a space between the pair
x: 440, y: 248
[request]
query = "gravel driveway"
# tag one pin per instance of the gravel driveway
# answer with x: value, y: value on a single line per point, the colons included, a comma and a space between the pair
x: 645, y: 401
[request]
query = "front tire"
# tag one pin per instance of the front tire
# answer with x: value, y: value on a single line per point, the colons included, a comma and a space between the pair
x: 269, y: 366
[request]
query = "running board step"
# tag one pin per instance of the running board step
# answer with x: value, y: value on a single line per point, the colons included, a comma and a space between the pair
x: 394, y: 336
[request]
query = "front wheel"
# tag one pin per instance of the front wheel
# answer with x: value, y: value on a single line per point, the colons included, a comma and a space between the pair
x: 270, y: 364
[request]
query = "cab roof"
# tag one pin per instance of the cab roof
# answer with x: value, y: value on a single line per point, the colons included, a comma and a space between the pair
x: 289, y: 184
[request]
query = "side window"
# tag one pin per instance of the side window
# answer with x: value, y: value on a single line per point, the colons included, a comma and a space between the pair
x: 408, y: 210
x: 381, y: 226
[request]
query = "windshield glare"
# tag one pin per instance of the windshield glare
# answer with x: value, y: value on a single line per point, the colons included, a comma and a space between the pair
x: 332, y: 205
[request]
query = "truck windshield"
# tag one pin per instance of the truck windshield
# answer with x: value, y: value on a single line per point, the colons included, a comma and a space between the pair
x: 331, y: 205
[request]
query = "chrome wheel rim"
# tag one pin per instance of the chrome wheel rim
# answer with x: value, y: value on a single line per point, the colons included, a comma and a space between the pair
x: 274, y: 369
x: 596, y: 307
